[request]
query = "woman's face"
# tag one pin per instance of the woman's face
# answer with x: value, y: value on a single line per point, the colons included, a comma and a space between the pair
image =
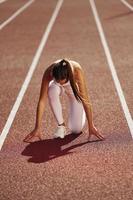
x: 61, y: 82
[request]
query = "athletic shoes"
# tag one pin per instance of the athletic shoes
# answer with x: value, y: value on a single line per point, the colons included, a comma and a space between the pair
x: 60, y: 132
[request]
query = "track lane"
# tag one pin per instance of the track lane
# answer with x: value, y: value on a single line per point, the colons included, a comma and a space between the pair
x: 17, y: 13
x: 17, y: 52
x: 127, y: 4
x: 112, y: 67
x: 8, y: 8
x: 28, y: 77
x: 118, y: 29
x: 130, y: 2
x: 70, y: 168
x: 2, y: 1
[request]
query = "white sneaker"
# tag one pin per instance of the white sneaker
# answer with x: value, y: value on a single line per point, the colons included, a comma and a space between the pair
x: 60, y: 132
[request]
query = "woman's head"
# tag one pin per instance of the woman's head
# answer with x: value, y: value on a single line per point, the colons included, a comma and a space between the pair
x: 62, y: 72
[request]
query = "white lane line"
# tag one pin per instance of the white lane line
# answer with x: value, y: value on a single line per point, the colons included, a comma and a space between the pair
x: 112, y: 68
x: 29, y: 74
x: 127, y: 4
x: 16, y: 14
x: 2, y: 1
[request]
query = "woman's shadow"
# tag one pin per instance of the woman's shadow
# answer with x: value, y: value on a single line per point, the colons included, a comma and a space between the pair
x: 45, y: 150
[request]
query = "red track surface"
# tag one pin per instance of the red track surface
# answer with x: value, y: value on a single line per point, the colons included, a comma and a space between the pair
x: 72, y: 168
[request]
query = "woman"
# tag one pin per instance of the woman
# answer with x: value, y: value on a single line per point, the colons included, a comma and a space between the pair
x: 65, y: 76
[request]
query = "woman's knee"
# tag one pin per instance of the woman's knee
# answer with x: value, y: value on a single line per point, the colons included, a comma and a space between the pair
x: 77, y: 125
x: 76, y: 130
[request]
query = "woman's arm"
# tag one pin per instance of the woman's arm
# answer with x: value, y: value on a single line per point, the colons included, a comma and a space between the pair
x: 41, y: 106
x: 42, y: 100
x: 80, y: 79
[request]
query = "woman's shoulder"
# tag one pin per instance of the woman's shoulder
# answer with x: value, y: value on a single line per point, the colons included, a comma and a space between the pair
x: 47, y: 75
x: 75, y: 64
x: 77, y: 69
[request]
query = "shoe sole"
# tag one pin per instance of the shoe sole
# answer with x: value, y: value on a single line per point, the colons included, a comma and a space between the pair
x: 56, y: 136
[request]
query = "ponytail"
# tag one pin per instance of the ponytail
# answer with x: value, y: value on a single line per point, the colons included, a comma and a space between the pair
x: 72, y: 81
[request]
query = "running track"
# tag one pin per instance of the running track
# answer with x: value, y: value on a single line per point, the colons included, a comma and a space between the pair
x: 72, y: 168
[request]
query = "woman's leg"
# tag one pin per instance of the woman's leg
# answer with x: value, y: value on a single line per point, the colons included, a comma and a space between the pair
x: 77, y: 115
x: 54, y: 92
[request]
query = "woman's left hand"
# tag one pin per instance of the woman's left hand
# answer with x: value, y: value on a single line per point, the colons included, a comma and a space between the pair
x: 95, y: 132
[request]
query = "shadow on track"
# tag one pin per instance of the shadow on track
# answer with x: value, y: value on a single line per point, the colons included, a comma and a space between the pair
x: 45, y: 150
x: 120, y: 15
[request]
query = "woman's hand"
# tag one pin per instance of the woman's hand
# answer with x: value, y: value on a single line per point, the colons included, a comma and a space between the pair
x: 94, y: 131
x: 34, y: 134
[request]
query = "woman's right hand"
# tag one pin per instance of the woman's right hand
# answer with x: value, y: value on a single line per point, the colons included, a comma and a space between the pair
x: 34, y: 134
x: 94, y: 131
